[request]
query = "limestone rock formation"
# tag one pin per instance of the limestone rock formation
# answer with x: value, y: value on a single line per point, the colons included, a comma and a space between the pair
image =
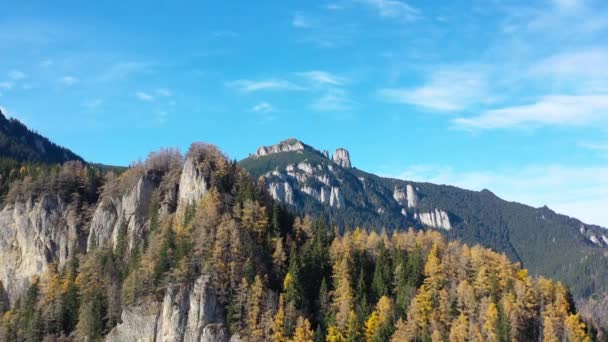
x: 187, y: 314
x: 34, y: 234
x: 282, y: 192
x: 193, y: 185
x: 412, y: 197
x: 436, y: 219
x: 128, y: 212
x: 342, y: 158
x: 284, y: 146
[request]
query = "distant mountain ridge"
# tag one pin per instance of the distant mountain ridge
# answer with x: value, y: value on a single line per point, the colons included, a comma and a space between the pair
x: 545, y: 242
x: 19, y: 143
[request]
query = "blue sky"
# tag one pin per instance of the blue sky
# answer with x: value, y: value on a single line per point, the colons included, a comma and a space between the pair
x: 506, y: 95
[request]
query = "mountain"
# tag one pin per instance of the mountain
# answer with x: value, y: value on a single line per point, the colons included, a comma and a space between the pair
x: 192, y: 248
x: 19, y: 143
x: 186, y: 249
x: 310, y: 182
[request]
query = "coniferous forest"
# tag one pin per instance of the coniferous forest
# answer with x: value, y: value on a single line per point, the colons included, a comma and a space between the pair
x: 280, y: 277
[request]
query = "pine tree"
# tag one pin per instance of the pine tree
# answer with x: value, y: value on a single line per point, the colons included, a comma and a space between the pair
x: 382, y: 278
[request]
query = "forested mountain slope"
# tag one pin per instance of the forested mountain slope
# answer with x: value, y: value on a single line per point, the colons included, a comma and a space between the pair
x: 193, y: 249
x: 546, y: 243
x: 19, y: 143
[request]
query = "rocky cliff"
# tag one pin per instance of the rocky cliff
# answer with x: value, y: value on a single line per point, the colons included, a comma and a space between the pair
x: 34, y: 234
x: 186, y: 314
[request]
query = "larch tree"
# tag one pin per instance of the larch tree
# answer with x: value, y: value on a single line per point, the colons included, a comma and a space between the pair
x: 303, y: 332
x: 343, y: 295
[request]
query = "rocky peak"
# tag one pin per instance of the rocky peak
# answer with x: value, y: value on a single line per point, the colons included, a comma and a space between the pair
x: 288, y: 145
x: 342, y: 158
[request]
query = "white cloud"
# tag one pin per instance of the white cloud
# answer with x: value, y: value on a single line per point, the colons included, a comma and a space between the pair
x: 143, y: 96
x: 68, y: 81
x: 16, y: 75
x: 319, y: 77
x: 249, y: 86
x: 446, y: 90
x: 392, y: 9
x: 586, y: 64
x: 333, y: 100
x: 581, y: 192
x: 163, y: 92
x: 549, y: 110
x: 263, y: 107
x: 603, y: 147
x: 123, y: 70
x: 6, y: 85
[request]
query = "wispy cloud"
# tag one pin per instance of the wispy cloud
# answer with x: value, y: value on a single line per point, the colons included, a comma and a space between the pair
x: 392, y: 9
x: 587, y: 61
x: 595, y: 146
x: 17, y: 75
x: 249, y: 86
x: 263, y: 107
x: 585, y: 197
x: 549, y: 110
x: 333, y: 100
x: 446, y: 90
x: 143, y: 96
x: 6, y: 85
x: 163, y: 92
x: 322, y: 78
x: 68, y: 81
x: 123, y: 70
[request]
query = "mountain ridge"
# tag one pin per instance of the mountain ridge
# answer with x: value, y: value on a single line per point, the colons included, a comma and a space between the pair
x: 21, y: 144
x: 542, y: 240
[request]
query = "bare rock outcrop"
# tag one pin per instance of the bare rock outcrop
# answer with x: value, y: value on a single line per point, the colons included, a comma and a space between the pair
x: 186, y: 314
x: 192, y: 185
x: 284, y: 146
x: 342, y: 158
x: 436, y: 219
x: 121, y: 215
x: 34, y: 234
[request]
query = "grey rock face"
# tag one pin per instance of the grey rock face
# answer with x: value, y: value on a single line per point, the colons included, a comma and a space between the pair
x: 284, y: 146
x: 35, y: 234
x: 192, y: 185
x: 342, y: 158
x: 412, y: 197
x: 400, y: 196
x: 281, y: 191
x: 113, y: 214
x: 214, y: 333
x: 336, y: 199
x: 138, y: 324
x: 187, y: 314
x: 436, y: 219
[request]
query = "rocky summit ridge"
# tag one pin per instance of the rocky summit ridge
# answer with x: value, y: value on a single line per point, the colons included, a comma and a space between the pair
x: 311, y: 183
